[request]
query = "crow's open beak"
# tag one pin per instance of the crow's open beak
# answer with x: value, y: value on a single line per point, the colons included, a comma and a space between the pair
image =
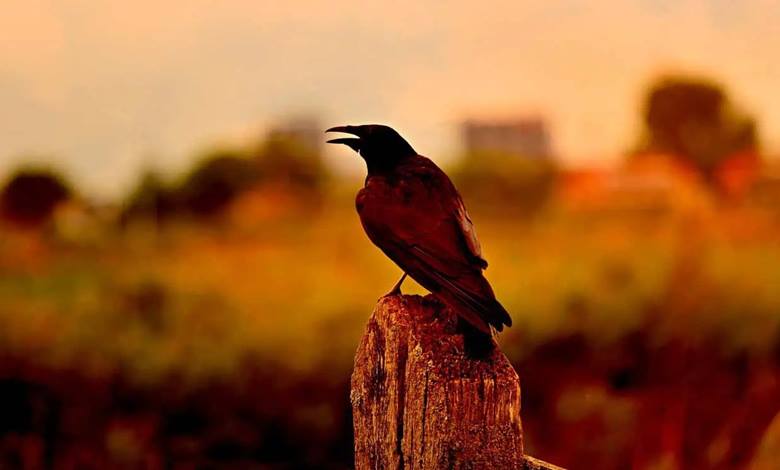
x: 352, y: 142
x: 345, y: 129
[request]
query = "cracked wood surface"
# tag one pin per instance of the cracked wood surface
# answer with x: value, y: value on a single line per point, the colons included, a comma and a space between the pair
x: 419, y: 403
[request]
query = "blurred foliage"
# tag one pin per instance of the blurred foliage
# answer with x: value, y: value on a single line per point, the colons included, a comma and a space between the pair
x: 215, y: 181
x: 516, y: 184
x: 694, y: 119
x: 651, y: 333
x: 283, y: 160
x: 222, y: 175
x: 152, y: 198
x: 30, y: 196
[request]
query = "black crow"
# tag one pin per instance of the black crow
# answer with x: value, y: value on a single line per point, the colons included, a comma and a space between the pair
x: 411, y: 210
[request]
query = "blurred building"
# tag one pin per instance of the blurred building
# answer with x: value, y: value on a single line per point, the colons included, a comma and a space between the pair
x: 304, y: 131
x: 526, y: 137
x: 292, y: 154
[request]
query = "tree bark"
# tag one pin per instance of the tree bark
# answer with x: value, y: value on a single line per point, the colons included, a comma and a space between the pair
x: 419, y: 402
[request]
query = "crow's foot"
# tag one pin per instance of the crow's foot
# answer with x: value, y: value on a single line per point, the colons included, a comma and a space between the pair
x: 396, y: 290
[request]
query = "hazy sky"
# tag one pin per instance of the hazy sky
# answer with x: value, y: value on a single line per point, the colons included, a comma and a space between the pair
x: 103, y: 88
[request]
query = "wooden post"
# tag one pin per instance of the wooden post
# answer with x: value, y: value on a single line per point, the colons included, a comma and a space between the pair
x: 419, y: 403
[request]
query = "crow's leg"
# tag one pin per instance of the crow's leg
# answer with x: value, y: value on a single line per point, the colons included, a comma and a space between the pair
x: 397, y: 287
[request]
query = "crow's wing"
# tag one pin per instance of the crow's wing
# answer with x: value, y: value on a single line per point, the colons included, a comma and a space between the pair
x: 419, y: 221
x: 467, y: 232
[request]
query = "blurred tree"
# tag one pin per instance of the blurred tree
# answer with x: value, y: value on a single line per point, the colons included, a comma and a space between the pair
x: 284, y: 160
x: 216, y: 181
x: 695, y: 120
x: 147, y: 302
x: 151, y: 199
x: 519, y: 184
x: 31, y: 195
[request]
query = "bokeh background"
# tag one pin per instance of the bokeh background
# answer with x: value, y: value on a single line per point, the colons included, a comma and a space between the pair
x: 184, y: 281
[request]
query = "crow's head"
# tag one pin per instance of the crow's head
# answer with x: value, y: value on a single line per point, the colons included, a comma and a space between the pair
x: 380, y: 146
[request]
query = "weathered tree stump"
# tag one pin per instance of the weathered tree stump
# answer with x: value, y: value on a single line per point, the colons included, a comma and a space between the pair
x: 419, y: 402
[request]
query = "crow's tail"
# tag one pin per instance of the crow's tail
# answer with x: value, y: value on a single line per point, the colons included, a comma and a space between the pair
x: 476, y: 343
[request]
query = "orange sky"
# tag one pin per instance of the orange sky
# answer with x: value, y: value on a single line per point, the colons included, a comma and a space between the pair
x: 105, y: 87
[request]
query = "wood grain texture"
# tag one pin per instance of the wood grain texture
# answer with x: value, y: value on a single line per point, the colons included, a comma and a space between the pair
x: 419, y: 403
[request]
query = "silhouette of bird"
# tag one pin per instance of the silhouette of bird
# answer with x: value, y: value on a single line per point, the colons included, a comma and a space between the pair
x: 410, y: 209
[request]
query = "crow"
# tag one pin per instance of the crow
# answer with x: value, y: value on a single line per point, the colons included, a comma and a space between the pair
x: 410, y: 209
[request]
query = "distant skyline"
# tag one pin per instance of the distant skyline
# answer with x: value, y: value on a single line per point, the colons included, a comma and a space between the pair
x: 103, y: 89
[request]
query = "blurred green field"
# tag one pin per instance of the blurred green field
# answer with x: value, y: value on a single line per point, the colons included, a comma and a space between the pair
x: 273, y: 308
x: 296, y: 289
